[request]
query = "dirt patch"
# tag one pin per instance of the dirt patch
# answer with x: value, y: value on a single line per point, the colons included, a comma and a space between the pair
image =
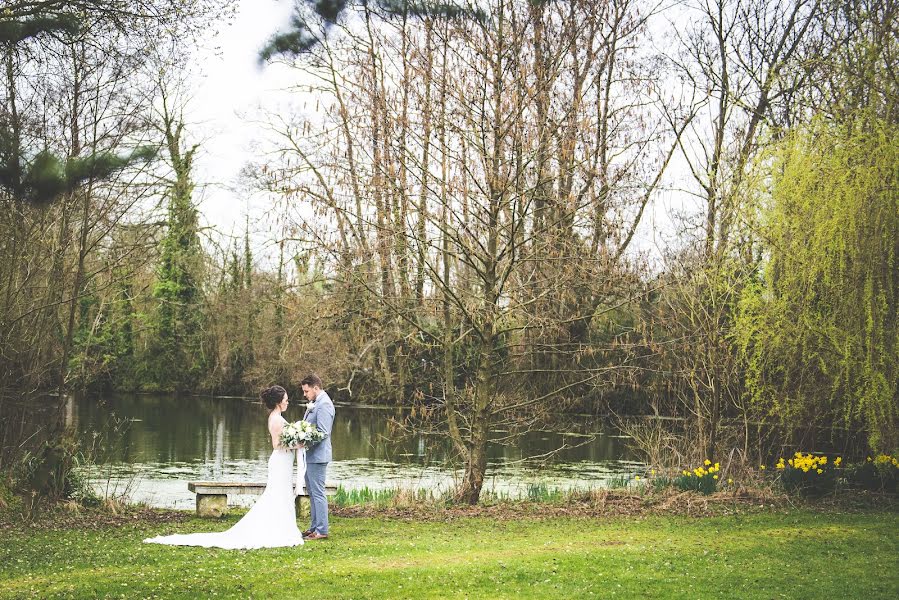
x: 616, y: 504
x: 76, y: 517
x: 595, y: 504
x: 602, y: 504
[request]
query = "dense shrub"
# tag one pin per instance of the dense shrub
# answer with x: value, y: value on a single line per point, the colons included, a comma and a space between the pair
x: 878, y: 474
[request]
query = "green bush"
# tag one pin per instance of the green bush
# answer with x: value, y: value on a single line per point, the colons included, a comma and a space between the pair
x: 878, y: 474
x: 48, y: 470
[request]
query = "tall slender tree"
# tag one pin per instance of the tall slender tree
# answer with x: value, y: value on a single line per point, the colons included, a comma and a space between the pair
x: 179, y: 359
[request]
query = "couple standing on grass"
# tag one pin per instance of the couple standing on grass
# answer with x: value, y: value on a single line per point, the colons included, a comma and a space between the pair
x: 272, y: 523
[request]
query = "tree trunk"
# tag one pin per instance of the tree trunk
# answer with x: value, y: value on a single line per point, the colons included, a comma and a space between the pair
x: 476, y: 464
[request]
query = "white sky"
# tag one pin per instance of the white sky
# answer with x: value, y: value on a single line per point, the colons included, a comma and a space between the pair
x: 230, y: 89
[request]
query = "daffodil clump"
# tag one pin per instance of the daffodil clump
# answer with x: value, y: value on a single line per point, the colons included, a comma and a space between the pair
x: 808, y: 473
x: 885, y: 461
x: 878, y: 474
x: 703, y: 479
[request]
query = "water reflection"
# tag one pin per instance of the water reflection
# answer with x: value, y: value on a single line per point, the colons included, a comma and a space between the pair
x: 174, y: 441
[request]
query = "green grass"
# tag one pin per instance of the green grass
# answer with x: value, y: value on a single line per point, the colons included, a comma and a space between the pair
x: 541, y: 493
x: 365, y: 496
x: 798, y: 554
x: 619, y: 482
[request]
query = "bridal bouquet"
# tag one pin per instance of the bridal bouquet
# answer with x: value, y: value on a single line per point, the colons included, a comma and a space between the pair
x: 300, y: 433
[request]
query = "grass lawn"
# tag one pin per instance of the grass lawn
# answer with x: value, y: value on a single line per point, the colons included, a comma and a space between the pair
x: 784, y: 554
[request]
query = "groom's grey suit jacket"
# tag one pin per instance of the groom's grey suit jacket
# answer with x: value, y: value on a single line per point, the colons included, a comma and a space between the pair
x: 322, y: 416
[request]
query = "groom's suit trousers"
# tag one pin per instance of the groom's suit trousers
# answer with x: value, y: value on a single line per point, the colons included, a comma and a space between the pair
x: 318, y: 502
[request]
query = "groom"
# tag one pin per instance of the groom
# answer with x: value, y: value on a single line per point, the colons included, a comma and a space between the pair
x: 321, y: 414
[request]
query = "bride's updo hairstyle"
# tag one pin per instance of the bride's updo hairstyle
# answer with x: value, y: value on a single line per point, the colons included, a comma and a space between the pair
x: 272, y: 396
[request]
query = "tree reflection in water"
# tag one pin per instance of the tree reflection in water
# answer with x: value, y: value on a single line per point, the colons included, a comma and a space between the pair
x: 172, y: 441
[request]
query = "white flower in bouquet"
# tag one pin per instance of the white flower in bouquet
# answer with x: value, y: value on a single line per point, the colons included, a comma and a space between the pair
x: 300, y: 433
x: 291, y: 436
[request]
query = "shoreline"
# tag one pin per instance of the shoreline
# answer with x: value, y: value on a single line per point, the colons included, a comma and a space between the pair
x: 605, y: 505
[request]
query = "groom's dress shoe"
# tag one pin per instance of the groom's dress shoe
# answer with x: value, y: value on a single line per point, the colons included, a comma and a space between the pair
x: 315, y: 536
x: 307, y: 532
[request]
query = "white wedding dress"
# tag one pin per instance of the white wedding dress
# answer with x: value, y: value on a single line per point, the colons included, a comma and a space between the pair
x: 270, y: 523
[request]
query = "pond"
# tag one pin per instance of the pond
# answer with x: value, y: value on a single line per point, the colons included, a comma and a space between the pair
x: 169, y: 442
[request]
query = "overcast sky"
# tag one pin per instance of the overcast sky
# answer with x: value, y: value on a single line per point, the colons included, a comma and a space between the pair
x: 230, y: 89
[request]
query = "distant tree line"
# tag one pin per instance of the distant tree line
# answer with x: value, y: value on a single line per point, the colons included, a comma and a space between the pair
x: 462, y: 216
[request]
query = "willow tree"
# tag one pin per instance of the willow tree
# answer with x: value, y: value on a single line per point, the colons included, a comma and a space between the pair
x: 820, y: 333
x: 743, y: 62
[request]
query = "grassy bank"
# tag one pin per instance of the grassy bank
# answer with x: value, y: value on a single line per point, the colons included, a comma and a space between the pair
x: 796, y: 553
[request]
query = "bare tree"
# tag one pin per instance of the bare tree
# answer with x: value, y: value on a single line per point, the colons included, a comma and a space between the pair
x: 510, y: 161
x: 740, y: 64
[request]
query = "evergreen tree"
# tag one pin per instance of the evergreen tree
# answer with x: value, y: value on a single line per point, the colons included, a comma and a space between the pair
x: 178, y: 356
x: 252, y: 305
x: 42, y: 177
x: 300, y: 37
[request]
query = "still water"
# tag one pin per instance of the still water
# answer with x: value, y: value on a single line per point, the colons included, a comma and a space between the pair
x: 169, y: 442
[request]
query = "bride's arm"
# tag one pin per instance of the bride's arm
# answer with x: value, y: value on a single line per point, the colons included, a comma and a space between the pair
x: 275, y: 426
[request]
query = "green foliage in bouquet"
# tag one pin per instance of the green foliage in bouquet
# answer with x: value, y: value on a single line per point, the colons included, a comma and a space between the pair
x: 878, y: 474
x: 809, y: 474
x: 702, y: 479
x: 300, y: 433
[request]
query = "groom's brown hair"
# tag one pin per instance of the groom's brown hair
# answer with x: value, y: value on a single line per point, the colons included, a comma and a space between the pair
x: 312, y: 380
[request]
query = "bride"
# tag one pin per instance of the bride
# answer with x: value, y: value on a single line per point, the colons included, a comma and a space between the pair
x: 272, y: 522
